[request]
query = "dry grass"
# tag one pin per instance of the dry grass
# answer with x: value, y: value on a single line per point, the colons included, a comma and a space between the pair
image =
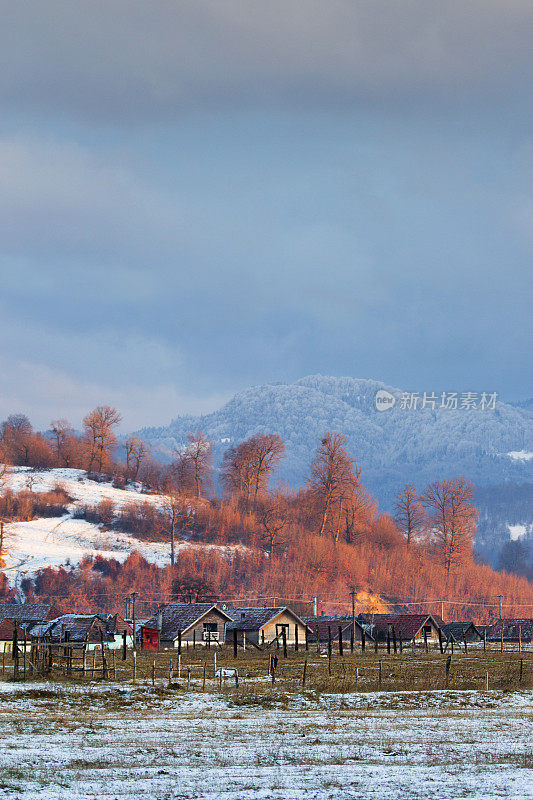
x: 363, y: 672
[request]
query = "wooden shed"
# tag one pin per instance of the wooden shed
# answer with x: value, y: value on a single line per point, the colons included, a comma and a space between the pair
x: 203, y: 623
x: 265, y: 625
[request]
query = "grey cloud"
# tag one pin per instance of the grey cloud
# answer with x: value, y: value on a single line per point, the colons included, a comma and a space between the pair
x: 126, y: 60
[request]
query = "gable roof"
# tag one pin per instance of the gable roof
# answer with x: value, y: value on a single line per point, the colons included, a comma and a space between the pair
x: 408, y: 625
x: 115, y: 625
x: 254, y: 618
x: 182, y: 616
x: 78, y: 626
x: 324, y: 622
x: 26, y: 612
x: 456, y: 629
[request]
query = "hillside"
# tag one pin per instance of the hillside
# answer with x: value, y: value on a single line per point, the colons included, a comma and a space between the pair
x: 33, y: 545
x: 491, y: 447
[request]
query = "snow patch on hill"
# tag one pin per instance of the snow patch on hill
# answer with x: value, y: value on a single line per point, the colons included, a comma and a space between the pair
x: 64, y: 541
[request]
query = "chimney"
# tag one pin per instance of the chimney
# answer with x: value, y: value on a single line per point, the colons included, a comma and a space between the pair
x: 159, y: 620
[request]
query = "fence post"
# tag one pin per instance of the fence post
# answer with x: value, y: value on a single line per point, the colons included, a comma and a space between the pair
x: 124, y: 646
x: 296, y: 638
x: 376, y: 642
x: 15, y: 653
x: 485, y: 640
x: 234, y: 642
x: 425, y: 639
x: 134, y: 666
x: 401, y: 642
x: 388, y: 640
x: 284, y: 636
x: 306, y: 639
x: 519, y: 638
x: 351, y: 639
x: 380, y: 672
x: 464, y: 640
x: 179, y: 642
x: 501, y: 638
x: 448, y: 664
x: 304, y: 673
x: 203, y: 677
x: 440, y: 641
x: 24, y: 656
x: 521, y: 670
x: 363, y: 640
x: 394, y: 644
x: 341, y: 652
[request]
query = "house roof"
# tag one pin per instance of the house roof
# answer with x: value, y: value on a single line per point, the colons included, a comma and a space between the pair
x: 511, y: 629
x: 7, y: 628
x: 254, y: 618
x: 324, y: 622
x: 182, y: 616
x: 77, y: 626
x: 406, y: 625
x: 115, y: 624
x: 456, y: 629
x: 26, y: 612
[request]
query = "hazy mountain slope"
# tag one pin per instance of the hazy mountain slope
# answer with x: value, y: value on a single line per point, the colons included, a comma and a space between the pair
x: 392, y: 447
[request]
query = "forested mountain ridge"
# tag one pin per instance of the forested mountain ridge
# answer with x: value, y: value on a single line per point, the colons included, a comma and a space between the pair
x: 392, y: 447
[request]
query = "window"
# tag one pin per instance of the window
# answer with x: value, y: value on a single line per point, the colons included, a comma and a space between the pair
x: 210, y: 627
x: 427, y: 629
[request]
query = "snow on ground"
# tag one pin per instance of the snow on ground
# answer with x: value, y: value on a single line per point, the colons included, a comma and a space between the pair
x: 520, y: 455
x: 59, y: 541
x: 79, y: 487
x: 137, y: 742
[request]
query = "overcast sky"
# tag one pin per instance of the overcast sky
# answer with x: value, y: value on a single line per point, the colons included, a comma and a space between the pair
x: 199, y: 196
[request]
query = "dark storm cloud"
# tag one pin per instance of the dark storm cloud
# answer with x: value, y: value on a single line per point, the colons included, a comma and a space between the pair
x: 195, y: 196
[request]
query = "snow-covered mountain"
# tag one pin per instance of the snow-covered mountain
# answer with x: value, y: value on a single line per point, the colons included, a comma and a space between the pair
x: 393, y: 447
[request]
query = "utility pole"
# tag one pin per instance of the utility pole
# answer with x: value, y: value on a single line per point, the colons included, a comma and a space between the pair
x: 442, y: 610
x: 133, y: 596
x: 352, y: 592
x: 500, y: 599
x: 315, y: 606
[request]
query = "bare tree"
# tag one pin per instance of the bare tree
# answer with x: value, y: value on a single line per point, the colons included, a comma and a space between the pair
x: 136, y: 452
x: 332, y: 480
x: 410, y: 515
x: 452, y: 518
x: 246, y: 469
x: 274, y: 518
x: 200, y: 455
x: 99, y: 435
x: 63, y: 440
x: 177, y: 519
x: 15, y: 436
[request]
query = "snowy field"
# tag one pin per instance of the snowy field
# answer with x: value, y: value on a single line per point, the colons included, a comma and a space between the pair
x: 59, y: 541
x: 139, y: 742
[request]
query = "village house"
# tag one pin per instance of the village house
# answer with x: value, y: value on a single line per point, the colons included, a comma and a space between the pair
x: 201, y: 623
x: 511, y: 630
x: 265, y: 625
x: 461, y: 631
x: 89, y: 629
x: 408, y: 627
x: 116, y: 627
x: 319, y: 628
x: 28, y: 615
